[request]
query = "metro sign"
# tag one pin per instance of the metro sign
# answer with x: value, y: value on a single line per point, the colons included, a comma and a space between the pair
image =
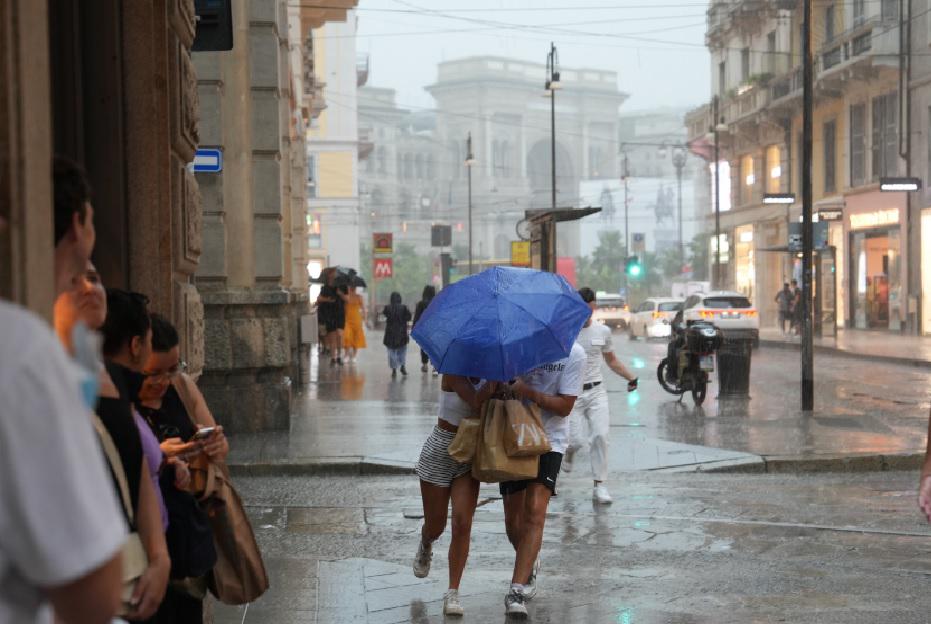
x: 384, y: 268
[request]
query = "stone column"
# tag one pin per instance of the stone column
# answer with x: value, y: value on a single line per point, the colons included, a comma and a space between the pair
x: 251, y: 310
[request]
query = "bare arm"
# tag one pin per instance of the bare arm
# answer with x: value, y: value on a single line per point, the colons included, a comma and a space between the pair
x: 216, y: 446
x: 92, y: 599
x: 559, y: 404
x: 467, y: 391
x: 150, y: 590
x: 616, y: 365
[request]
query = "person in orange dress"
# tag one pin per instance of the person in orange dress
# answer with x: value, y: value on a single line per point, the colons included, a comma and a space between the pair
x: 354, y: 333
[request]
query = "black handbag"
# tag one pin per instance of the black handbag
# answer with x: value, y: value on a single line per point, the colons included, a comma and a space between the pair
x: 189, y: 537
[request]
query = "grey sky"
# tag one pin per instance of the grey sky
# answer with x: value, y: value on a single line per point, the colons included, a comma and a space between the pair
x: 656, y: 47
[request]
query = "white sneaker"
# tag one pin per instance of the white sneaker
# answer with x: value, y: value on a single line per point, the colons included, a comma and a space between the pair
x: 600, y: 494
x: 530, y: 589
x: 566, y: 465
x: 436, y: 373
x: 451, y: 604
x: 422, y: 559
x: 515, y: 605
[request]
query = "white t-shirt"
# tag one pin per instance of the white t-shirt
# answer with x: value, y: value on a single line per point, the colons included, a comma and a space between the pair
x: 59, y: 518
x: 562, y: 377
x: 596, y: 340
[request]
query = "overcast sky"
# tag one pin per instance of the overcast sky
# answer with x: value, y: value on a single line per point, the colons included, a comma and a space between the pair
x: 657, y: 47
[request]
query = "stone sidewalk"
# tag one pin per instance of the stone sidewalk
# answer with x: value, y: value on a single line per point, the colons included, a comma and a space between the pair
x: 357, y: 420
x: 879, y: 346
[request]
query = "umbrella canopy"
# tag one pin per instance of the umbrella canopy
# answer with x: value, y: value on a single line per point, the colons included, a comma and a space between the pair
x: 501, y: 323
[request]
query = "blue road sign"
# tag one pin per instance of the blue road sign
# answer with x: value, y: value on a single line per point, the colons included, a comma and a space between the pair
x: 208, y: 160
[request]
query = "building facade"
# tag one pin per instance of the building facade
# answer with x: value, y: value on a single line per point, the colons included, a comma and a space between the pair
x: 112, y: 86
x: 861, y: 278
x: 253, y: 278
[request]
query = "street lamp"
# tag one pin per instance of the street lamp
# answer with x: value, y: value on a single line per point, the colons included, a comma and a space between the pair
x: 469, y: 161
x: 678, y: 161
x: 552, y: 85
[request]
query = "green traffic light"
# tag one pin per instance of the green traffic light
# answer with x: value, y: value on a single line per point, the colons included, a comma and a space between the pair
x: 634, y: 270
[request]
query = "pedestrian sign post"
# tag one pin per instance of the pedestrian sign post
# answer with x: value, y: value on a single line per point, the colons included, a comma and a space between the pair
x: 382, y: 243
x: 520, y: 253
x: 208, y: 160
x: 383, y: 268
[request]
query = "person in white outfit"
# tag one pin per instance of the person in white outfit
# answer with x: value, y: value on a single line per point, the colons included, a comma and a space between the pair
x: 590, y: 411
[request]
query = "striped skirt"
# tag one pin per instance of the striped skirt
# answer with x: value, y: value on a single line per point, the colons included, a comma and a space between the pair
x: 435, y: 466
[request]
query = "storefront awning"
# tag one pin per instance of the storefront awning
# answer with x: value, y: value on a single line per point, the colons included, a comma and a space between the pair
x: 561, y: 215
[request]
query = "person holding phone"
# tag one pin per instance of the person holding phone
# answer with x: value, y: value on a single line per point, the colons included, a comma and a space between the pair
x: 590, y: 411
x: 182, y: 436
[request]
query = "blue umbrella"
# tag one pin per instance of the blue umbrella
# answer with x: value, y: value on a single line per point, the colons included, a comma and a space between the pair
x: 501, y: 323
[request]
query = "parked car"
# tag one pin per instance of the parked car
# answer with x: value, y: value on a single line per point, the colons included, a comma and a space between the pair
x: 611, y: 310
x: 729, y: 311
x: 653, y: 318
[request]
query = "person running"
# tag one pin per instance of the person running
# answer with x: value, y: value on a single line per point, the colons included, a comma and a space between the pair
x: 429, y: 292
x: 443, y: 479
x: 397, y: 316
x: 554, y: 388
x: 354, y: 333
x: 591, y: 409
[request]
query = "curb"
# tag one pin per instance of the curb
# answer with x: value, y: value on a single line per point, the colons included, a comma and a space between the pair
x: 794, y: 464
x: 767, y: 464
x: 825, y: 350
x: 329, y: 467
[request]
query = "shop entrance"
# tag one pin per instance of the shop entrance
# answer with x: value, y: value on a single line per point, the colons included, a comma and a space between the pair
x: 874, y: 279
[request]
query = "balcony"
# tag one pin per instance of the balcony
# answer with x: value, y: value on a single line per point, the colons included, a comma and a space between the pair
x: 853, y: 53
x: 743, y: 104
x: 784, y: 89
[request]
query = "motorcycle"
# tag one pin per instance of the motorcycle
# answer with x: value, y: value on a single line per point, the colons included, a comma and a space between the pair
x: 690, y: 362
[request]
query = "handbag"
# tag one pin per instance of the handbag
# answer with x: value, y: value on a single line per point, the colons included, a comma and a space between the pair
x: 492, y: 464
x: 524, y: 435
x: 134, y: 558
x: 239, y: 576
x: 462, y: 448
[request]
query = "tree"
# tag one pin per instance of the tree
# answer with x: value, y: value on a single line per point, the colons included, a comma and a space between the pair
x: 700, y: 250
x: 411, y: 272
x: 605, y: 270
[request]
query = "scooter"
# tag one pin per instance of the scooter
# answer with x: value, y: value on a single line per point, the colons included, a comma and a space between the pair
x: 690, y: 361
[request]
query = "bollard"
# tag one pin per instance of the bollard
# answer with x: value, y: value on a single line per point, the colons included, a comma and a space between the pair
x: 734, y: 368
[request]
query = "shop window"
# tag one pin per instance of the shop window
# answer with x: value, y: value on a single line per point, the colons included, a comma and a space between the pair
x: 857, y: 145
x: 828, y: 141
x: 885, y: 135
x: 747, y: 179
x: 773, y: 169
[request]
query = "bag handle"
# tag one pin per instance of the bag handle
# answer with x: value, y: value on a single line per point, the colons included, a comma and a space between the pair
x: 116, y: 464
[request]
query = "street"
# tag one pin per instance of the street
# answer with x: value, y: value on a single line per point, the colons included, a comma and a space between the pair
x: 676, y: 546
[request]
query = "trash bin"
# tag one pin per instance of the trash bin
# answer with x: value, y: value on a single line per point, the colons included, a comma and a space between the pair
x: 734, y: 367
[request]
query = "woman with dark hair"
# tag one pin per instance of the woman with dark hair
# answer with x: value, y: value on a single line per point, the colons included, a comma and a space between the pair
x: 126, y: 342
x: 397, y: 316
x: 190, y: 542
x: 429, y: 292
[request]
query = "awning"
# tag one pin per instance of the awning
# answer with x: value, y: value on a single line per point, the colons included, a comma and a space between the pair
x: 560, y: 215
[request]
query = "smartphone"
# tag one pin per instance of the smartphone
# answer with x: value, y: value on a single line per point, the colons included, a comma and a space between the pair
x: 203, y: 433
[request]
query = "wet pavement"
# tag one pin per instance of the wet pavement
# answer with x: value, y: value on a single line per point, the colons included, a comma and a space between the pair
x: 673, y: 548
x: 357, y: 413
x: 871, y: 344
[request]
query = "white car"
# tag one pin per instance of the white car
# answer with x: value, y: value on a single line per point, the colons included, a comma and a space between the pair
x: 653, y: 318
x: 729, y: 311
x: 611, y: 310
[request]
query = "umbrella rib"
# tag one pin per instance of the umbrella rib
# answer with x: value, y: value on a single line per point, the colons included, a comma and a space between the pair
x: 546, y: 325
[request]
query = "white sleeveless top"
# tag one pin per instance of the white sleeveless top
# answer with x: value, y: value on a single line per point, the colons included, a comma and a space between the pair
x: 452, y: 408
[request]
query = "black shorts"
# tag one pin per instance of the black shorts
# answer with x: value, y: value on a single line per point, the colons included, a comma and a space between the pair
x: 547, y: 474
x: 335, y: 321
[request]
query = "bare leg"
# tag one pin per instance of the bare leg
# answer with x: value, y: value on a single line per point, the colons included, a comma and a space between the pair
x: 435, y: 511
x: 514, y: 517
x: 537, y: 498
x: 464, y: 494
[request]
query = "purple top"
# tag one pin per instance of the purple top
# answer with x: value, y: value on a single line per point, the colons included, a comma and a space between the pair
x: 153, y: 458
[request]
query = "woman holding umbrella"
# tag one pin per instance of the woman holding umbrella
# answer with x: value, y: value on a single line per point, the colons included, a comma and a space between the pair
x: 443, y: 479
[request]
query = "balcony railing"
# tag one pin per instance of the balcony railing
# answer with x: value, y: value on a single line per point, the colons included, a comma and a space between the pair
x: 849, y: 45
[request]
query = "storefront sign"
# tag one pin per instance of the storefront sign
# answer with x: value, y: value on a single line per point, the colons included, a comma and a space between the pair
x: 876, y: 219
x: 819, y: 234
x: 830, y: 215
x: 520, y: 253
x: 382, y: 242
x: 384, y: 268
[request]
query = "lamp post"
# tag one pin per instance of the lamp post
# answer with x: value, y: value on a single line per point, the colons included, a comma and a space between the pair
x: 678, y: 161
x: 552, y: 85
x: 469, y: 161
x: 808, y: 365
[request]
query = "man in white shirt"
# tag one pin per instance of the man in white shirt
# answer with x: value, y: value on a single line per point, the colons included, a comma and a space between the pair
x: 591, y: 409
x: 554, y: 388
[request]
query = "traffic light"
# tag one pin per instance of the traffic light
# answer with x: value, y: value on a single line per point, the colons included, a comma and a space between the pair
x: 632, y: 267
